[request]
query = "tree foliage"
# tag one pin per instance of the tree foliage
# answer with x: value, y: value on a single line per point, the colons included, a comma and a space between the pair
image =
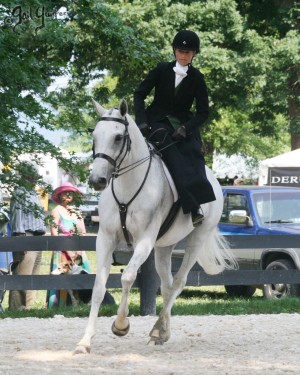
x: 279, y: 22
x: 249, y: 55
x: 246, y: 68
x: 31, y: 56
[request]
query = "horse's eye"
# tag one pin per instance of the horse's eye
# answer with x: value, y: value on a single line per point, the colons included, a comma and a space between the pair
x: 118, y: 138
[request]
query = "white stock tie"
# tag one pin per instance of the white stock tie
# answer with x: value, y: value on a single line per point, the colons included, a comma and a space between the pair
x: 181, y: 72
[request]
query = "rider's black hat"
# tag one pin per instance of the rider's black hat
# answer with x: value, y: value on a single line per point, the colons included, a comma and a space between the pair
x: 187, y: 40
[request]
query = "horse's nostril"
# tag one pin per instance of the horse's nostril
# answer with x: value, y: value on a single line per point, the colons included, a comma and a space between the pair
x: 101, y: 181
x: 98, y: 183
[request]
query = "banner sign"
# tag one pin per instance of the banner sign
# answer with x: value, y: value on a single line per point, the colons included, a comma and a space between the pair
x: 284, y: 176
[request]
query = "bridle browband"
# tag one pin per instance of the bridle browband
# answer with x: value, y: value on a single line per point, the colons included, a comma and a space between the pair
x: 116, y: 119
x: 123, y: 207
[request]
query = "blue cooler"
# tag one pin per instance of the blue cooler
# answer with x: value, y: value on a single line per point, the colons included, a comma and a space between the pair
x: 5, y: 259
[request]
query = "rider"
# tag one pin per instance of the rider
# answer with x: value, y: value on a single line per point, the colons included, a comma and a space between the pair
x: 169, y: 123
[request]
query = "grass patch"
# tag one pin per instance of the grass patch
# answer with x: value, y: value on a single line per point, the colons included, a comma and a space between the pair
x: 220, y: 304
x: 192, y: 301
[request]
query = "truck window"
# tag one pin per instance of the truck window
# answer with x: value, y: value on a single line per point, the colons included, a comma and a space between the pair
x: 233, y: 202
x: 277, y: 206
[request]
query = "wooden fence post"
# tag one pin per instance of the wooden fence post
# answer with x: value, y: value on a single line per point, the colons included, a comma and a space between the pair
x: 149, y: 284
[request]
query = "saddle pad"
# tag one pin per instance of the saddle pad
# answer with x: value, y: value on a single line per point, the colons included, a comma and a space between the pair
x: 171, y: 183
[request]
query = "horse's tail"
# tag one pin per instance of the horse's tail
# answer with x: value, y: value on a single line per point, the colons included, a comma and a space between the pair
x: 215, y: 255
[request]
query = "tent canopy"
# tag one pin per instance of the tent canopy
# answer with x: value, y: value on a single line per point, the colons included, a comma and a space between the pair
x: 287, y: 160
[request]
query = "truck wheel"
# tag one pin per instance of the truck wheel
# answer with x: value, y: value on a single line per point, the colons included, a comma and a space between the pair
x: 277, y: 291
x: 240, y: 290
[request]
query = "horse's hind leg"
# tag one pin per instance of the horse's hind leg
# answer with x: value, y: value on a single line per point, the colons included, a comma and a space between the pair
x: 160, y: 333
x: 163, y: 265
x: 104, y: 248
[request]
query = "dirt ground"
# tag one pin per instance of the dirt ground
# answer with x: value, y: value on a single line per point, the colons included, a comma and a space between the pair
x: 218, y: 345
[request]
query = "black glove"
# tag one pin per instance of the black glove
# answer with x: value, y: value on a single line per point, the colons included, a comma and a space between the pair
x: 179, y: 134
x: 145, y: 129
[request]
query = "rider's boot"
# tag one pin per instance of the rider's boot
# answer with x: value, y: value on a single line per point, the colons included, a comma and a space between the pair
x: 197, y: 217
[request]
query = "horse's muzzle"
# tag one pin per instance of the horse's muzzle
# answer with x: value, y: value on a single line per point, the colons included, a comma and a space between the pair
x: 98, y: 184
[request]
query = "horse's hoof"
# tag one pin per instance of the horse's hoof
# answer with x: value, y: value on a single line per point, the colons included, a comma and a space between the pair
x: 155, y: 341
x: 154, y: 334
x: 80, y: 349
x: 120, y: 332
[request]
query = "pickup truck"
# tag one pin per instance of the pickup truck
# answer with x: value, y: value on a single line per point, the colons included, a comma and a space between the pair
x: 251, y: 210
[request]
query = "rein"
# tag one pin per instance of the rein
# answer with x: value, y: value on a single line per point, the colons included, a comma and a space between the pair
x: 123, y: 207
x: 163, y: 140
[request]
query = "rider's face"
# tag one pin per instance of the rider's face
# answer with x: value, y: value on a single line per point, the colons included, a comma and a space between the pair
x: 184, y: 57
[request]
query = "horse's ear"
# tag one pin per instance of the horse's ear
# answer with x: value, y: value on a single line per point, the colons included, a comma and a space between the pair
x: 123, y: 107
x: 99, y: 109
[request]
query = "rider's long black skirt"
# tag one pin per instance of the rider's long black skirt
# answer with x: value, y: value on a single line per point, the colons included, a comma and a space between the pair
x: 186, y: 164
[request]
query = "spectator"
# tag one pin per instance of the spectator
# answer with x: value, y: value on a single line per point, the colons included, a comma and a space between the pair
x: 67, y: 222
x: 238, y: 181
x: 26, y: 220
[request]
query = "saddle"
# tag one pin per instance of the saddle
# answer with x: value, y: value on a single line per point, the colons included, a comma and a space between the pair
x: 174, y: 209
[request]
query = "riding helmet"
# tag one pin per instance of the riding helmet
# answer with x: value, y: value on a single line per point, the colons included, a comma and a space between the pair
x: 186, y: 40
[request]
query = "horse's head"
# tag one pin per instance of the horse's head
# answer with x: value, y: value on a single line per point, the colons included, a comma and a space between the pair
x: 111, y: 143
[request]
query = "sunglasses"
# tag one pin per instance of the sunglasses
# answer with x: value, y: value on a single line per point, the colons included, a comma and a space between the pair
x: 68, y: 193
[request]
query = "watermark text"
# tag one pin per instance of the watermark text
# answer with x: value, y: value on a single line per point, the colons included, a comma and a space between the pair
x: 19, y: 15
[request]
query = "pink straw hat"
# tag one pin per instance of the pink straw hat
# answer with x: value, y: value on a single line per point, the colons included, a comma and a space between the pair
x: 67, y: 186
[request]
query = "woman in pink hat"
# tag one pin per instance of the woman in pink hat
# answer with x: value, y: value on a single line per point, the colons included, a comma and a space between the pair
x: 68, y: 221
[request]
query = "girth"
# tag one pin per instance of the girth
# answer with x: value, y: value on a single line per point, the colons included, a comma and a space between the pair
x: 163, y: 229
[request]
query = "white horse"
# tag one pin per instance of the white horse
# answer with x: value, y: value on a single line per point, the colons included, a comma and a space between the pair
x: 133, y: 181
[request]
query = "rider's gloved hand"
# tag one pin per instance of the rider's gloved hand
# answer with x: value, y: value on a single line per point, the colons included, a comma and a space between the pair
x: 145, y: 129
x: 179, y: 133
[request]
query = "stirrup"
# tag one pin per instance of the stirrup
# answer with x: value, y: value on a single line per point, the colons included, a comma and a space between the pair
x: 197, y: 217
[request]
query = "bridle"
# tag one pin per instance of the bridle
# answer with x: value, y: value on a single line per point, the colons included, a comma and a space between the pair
x: 126, y: 144
x: 123, y: 207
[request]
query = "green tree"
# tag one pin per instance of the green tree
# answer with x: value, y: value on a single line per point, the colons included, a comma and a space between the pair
x: 126, y: 38
x: 105, y: 50
x: 278, y: 21
x: 35, y: 47
x: 106, y: 47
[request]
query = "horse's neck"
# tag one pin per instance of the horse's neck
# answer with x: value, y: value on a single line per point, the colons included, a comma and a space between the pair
x: 139, y: 149
x: 136, y: 165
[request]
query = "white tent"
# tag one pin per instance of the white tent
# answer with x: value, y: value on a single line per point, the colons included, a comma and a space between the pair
x: 288, y: 162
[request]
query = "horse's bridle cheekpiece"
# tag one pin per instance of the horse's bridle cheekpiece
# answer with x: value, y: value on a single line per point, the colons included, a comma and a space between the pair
x: 127, y: 142
x: 123, y: 207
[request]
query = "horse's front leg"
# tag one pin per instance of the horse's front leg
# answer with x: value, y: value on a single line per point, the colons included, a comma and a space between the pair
x: 104, y: 247
x: 141, y: 252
